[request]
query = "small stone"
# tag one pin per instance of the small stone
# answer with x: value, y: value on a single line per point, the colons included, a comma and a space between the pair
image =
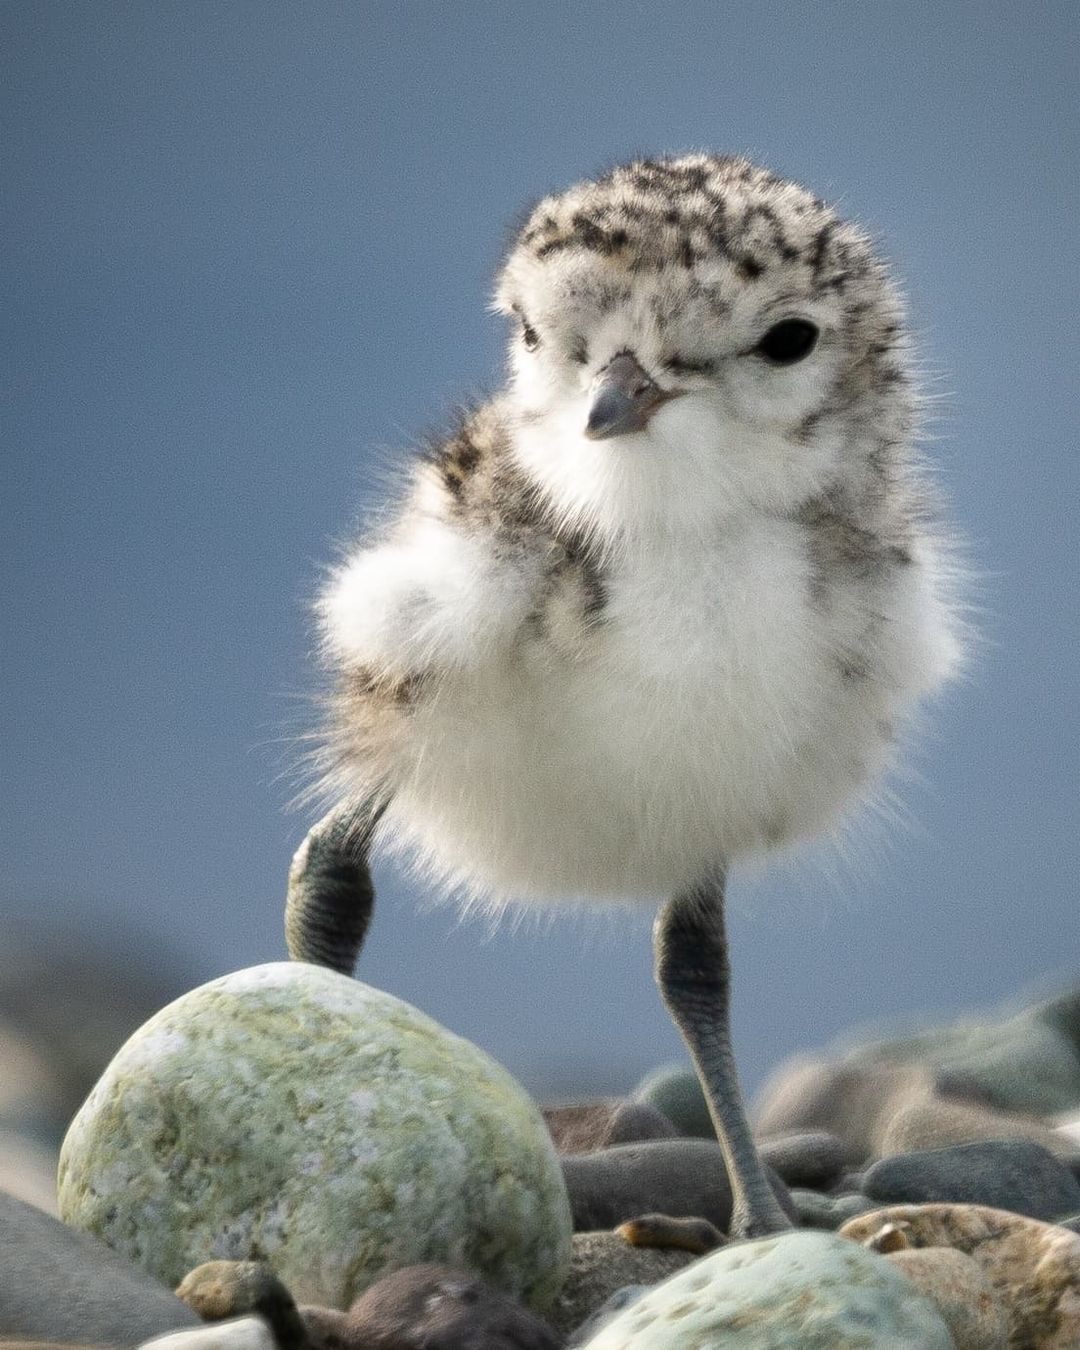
x: 291, y: 1113
x: 602, y: 1267
x: 811, y: 1158
x: 934, y: 1121
x: 853, y: 1102
x: 59, y: 1285
x: 585, y: 1126
x: 443, y: 1309
x: 685, y: 1178
x: 240, y: 1333
x: 676, y: 1091
x: 661, y: 1230
x: 1033, y: 1267
x: 960, y: 1291
x: 797, y: 1289
x: 817, y: 1210
x: 1014, y: 1175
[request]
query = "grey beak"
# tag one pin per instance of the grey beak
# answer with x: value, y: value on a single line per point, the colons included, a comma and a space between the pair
x: 623, y: 398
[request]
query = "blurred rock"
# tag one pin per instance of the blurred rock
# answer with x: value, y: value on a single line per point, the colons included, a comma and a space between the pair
x: 676, y: 1092
x: 220, y: 1290
x: 1034, y: 1267
x: 685, y: 1178
x: 59, y: 1285
x: 852, y: 1102
x: 602, y: 1264
x: 770, y: 1292
x: 585, y: 1126
x: 330, y: 1129
x: 439, y: 1308
x: 961, y: 1292
x: 934, y: 1121
x: 808, y: 1158
x: 829, y: 1212
x: 1014, y: 1175
x: 243, y: 1333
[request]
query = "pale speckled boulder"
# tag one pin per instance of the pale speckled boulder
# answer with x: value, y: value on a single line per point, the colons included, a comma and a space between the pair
x: 801, y: 1290
x: 293, y: 1115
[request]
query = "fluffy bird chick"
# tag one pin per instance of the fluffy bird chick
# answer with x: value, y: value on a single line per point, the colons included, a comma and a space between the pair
x: 661, y: 604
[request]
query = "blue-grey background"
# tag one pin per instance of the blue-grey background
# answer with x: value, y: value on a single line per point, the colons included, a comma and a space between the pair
x: 247, y: 251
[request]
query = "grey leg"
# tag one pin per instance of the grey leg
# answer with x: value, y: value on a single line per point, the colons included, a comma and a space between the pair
x: 694, y: 975
x: 330, y: 895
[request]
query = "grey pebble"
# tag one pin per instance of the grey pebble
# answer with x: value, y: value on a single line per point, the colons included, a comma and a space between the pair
x: 676, y: 1092
x: 59, y: 1285
x: 603, y: 1268
x: 1013, y: 1174
x: 685, y: 1178
x: 811, y: 1158
x: 816, y: 1210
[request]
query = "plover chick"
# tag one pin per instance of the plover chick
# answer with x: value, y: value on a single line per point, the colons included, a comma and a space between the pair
x: 661, y: 604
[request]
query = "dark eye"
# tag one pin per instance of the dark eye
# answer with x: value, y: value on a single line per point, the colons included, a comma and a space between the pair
x: 529, y: 336
x: 683, y: 365
x: 788, y: 341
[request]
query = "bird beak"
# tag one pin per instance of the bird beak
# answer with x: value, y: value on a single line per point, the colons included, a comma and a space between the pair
x: 622, y: 398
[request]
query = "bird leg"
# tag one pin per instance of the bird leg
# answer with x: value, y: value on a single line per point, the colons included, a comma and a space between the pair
x: 694, y: 975
x: 330, y: 895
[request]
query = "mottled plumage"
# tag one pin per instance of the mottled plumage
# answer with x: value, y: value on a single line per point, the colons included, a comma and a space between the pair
x: 596, y: 666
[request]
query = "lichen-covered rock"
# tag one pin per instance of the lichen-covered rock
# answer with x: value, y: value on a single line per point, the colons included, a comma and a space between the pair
x: 1034, y: 1267
x: 289, y: 1114
x: 798, y: 1289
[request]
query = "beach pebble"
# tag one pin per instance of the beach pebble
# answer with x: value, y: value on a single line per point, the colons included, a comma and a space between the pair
x: 961, y: 1292
x: 1015, y: 1175
x: 794, y: 1290
x: 675, y: 1090
x: 685, y: 1178
x: 440, y: 1308
x: 603, y: 1265
x: 1034, y: 1267
x: 58, y: 1285
x: 816, y: 1210
x: 241, y: 1333
x: 585, y: 1126
x: 218, y: 1290
x: 852, y: 1102
x: 294, y: 1114
x: 934, y: 1121
x: 812, y: 1158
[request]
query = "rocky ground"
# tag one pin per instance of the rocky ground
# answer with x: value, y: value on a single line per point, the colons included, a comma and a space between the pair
x: 287, y: 1158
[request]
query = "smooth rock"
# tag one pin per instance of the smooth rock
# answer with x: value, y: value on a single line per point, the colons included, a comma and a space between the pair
x: 1026, y: 1063
x: 601, y: 1266
x: 295, y: 1115
x: 1014, y: 1175
x: 810, y: 1158
x: 676, y: 1091
x: 685, y: 1178
x: 1034, y: 1267
x: 816, y: 1210
x: 242, y: 1333
x: 960, y: 1290
x: 934, y: 1121
x: 585, y: 1126
x: 797, y: 1290
x: 443, y: 1309
x: 853, y: 1102
x: 59, y: 1285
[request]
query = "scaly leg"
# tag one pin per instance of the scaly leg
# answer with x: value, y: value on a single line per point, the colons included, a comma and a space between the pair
x: 330, y: 895
x: 694, y: 975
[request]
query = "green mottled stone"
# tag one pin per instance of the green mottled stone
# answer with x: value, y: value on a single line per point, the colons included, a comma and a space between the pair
x: 803, y: 1291
x: 292, y: 1115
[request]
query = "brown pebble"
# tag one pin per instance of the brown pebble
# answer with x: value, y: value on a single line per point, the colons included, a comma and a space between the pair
x: 218, y: 1290
x: 1033, y: 1267
x: 961, y: 1291
x: 661, y: 1230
